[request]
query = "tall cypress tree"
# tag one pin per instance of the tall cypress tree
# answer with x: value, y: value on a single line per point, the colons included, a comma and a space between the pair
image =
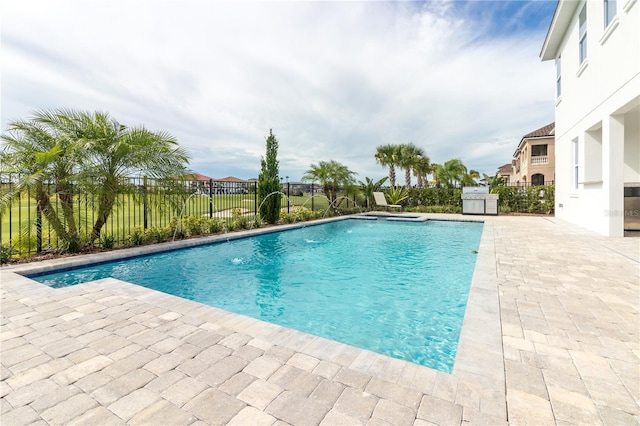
x: 269, y: 182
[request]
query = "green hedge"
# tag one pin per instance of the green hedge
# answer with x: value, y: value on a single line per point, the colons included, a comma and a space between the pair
x: 434, y: 197
x: 530, y: 199
x: 512, y: 199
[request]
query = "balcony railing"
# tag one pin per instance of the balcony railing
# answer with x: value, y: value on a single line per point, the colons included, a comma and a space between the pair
x: 539, y: 159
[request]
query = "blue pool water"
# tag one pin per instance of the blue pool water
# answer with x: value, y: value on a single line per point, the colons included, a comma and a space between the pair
x: 396, y: 288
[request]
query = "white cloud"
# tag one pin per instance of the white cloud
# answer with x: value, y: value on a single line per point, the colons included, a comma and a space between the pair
x: 334, y: 80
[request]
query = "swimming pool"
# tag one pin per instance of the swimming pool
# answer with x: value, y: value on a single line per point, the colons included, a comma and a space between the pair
x: 396, y: 288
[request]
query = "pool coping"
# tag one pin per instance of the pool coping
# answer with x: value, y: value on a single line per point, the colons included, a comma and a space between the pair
x: 478, y: 377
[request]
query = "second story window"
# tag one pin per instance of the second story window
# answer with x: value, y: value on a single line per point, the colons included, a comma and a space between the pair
x: 609, y: 11
x: 558, y: 77
x: 582, y: 36
x: 539, y: 155
x: 538, y: 150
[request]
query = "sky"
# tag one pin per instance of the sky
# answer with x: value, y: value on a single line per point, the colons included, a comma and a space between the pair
x: 332, y: 79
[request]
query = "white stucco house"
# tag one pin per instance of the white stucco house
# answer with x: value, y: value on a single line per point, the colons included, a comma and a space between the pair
x: 596, y: 48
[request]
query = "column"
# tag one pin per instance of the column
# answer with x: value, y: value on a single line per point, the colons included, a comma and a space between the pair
x: 613, y: 173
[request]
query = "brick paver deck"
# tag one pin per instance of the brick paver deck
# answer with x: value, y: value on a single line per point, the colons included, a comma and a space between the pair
x: 551, y: 335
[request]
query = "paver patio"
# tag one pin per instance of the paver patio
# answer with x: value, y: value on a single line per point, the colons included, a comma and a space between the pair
x: 551, y: 336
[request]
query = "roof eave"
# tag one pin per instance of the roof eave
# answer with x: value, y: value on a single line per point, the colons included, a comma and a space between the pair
x: 557, y: 29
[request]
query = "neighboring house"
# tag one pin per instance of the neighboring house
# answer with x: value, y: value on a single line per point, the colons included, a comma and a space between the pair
x: 506, y: 172
x: 596, y: 47
x: 197, y: 182
x: 230, y: 185
x: 534, y: 159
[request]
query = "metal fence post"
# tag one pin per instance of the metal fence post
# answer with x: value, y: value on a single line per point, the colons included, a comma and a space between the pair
x: 288, y: 195
x: 145, y: 203
x: 210, y: 198
x: 38, y: 229
x: 255, y: 198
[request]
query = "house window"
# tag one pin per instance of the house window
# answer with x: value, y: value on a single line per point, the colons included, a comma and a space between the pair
x: 575, y: 164
x: 558, y: 78
x: 583, y: 33
x: 538, y: 150
x: 609, y: 11
x: 537, y: 179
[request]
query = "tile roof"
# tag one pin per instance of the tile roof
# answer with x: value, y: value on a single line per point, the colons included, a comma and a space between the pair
x: 196, y: 176
x: 548, y: 130
x: 231, y: 179
x: 505, y: 168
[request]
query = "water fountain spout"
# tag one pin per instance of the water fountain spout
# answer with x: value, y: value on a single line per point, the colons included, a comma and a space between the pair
x: 266, y: 198
x: 314, y: 196
x: 334, y: 205
x: 179, y: 223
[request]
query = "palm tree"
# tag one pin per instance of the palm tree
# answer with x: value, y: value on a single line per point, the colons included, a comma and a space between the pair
x: 332, y: 175
x: 421, y: 169
x: 450, y: 173
x: 469, y: 179
x: 319, y: 173
x: 42, y: 155
x: 388, y: 156
x: 91, y: 150
x: 409, y: 155
x: 115, y: 152
x: 495, y: 180
x: 370, y: 187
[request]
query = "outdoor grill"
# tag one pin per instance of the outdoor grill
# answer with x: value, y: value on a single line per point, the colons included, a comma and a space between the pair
x: 477, y: 200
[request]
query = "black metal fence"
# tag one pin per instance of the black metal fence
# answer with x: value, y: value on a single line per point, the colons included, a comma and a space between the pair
x: 528, y: 184
x: 142, y: 203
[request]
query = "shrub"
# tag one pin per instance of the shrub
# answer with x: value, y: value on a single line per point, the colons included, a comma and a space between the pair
x: 397, y: 195
x: 194, y: 225
x: 434, y: 197
x: 215, y: 225
x: 534, y: 206
x: 157, y: 235
x: 137, y: 236
x: 107, y: 241
x: 287, y: 217
x: 173, y: 224
x: 179, y: 233
x: 74, y: 244
x: 436, y: 209
x: 239, y: 220
x: 6, y: 252
x: 327, y: 213
x: 25, y: 244
x: 531, y: 199
x: 354, y: 210
x: 299, y: 214
x: 175, y: 230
